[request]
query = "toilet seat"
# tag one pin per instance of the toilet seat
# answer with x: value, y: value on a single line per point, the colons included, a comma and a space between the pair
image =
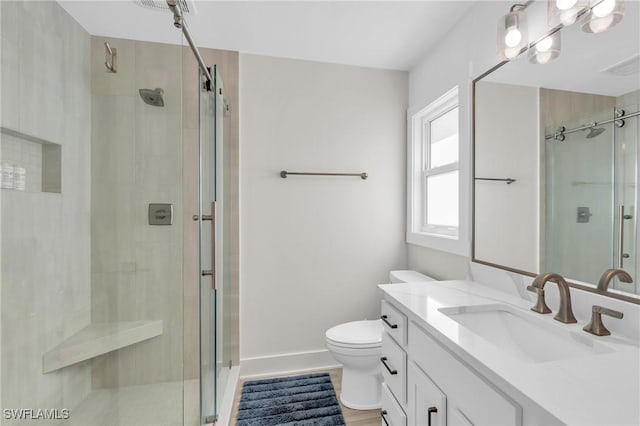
x: 356, y: 334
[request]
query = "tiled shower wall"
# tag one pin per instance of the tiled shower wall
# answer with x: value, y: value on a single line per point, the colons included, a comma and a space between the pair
x: 136, y: 268
x: 45, y: 280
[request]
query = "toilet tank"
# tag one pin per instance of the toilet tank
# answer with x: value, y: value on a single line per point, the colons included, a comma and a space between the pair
x: 408, y: 277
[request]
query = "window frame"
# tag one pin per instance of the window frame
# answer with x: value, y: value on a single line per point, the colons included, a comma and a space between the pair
x: 418, y: 148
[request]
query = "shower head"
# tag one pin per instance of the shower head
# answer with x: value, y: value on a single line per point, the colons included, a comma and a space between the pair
x: 152, y: 96
x: 595, y: 131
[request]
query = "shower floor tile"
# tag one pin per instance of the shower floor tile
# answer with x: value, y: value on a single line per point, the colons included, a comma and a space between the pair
x: 158, y: 404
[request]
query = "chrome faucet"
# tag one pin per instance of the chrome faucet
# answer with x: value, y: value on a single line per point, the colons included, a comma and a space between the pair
x: 565, y: 313
x: 608, y: 275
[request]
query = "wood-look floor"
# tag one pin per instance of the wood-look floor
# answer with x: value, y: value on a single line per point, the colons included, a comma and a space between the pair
x: 351, y: 417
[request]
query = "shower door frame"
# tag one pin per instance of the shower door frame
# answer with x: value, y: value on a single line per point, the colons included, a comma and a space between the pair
x: 207, y: 188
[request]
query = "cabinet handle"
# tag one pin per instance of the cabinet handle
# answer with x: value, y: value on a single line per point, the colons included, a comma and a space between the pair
x: 430, y: 411
x: 384, y: 318
x: 384, y: 418
x: 384, y: 362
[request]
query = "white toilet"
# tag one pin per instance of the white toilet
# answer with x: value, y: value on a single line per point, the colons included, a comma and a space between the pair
x: 357, y: 346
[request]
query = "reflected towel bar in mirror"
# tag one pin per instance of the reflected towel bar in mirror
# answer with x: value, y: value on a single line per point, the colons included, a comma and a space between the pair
x: 508, y: 181
x: 284, y: 174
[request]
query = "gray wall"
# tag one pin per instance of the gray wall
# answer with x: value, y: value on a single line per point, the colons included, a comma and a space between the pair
x: 45, y: 283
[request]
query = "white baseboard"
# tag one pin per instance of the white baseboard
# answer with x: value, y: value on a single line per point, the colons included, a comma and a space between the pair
x: 291, y: 363
x: 226, y: 406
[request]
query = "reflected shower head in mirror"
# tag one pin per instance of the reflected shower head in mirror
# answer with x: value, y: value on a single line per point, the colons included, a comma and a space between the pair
x: 594, y: 131
x: 152, y: 96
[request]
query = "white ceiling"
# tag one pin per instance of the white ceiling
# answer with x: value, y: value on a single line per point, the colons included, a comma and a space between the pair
x: 378, y: 34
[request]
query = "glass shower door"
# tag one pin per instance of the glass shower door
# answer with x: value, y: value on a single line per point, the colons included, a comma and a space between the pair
x: 214, y: 252
x: 207, y: 240
x: 626, y: 193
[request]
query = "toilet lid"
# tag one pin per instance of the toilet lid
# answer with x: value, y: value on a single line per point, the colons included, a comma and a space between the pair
x: 356, y: 334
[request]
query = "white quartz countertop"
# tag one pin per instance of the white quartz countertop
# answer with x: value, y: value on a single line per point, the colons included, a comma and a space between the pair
x: 600, y: 388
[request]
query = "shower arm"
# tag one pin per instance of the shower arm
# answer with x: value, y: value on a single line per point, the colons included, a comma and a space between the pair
x: 619, y: 118
x: 179, y: 22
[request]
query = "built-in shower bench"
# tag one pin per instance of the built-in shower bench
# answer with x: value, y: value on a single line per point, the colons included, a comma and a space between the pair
x: 98, y: 339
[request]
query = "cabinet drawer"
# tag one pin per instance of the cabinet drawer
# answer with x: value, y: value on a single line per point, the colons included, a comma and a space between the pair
x: 394, y: 367
x: 469, y: 396
x: 392, y: 414
x: 394, y: 322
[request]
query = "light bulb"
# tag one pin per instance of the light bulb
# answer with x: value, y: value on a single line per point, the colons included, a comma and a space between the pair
x: 511, y: 52
x: 601, y: 24
x: 568, y: 17
x: 604, y: 8
x: 544, y: 57
x: 544, y: 44
x: 565, y: 4
x: 513, y: 37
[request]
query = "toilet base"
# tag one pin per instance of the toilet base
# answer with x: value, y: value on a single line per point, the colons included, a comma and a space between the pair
x: 360, y: 389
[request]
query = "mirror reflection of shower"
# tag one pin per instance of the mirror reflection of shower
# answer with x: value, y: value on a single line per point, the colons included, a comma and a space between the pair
x: 593, y: 129
x: 590, y: 192
x: 152, y: 96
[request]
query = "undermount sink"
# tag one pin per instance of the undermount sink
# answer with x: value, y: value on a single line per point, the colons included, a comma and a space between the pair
x: 523, y: 335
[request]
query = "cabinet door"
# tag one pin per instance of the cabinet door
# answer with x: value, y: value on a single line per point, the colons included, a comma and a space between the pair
x: 427, y: 405
x: 480, y: 403
x: 457, y: 418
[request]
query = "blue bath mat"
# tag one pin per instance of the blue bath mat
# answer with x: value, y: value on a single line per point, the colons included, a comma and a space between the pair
x: 293, y: 401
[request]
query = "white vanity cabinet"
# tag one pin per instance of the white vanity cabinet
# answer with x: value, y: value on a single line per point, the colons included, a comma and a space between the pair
x: 426, y: 385
x: 456, y: 362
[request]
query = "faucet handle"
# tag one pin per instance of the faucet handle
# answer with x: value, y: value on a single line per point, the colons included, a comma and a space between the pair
x: 607, y: 311
x: 540, y: 306
x: 596, y: 326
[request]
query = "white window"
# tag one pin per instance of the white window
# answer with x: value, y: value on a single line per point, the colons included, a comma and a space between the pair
x: 433, y: 196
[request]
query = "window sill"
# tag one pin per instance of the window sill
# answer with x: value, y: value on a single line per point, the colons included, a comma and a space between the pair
x: 453, y: 245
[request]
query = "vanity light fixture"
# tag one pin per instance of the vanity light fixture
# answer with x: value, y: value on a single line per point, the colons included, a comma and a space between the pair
x: 565, y: 12
x: 546, y: 49
x: 512, y: 33
x: 603, y: 15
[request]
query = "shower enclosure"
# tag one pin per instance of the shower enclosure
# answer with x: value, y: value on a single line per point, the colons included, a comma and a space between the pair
x: 115, y: 304
x: 591, y: 192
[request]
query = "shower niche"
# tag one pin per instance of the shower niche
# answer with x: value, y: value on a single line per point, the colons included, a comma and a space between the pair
x: 41, y: 159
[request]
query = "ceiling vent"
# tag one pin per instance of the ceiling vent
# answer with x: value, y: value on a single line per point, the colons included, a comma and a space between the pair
x: 626, y: 67
x: 187, y: 6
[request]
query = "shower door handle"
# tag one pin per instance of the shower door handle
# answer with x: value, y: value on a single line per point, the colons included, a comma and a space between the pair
x: 621, y: 218
x: 211, y: 272
x: 214, y: 224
